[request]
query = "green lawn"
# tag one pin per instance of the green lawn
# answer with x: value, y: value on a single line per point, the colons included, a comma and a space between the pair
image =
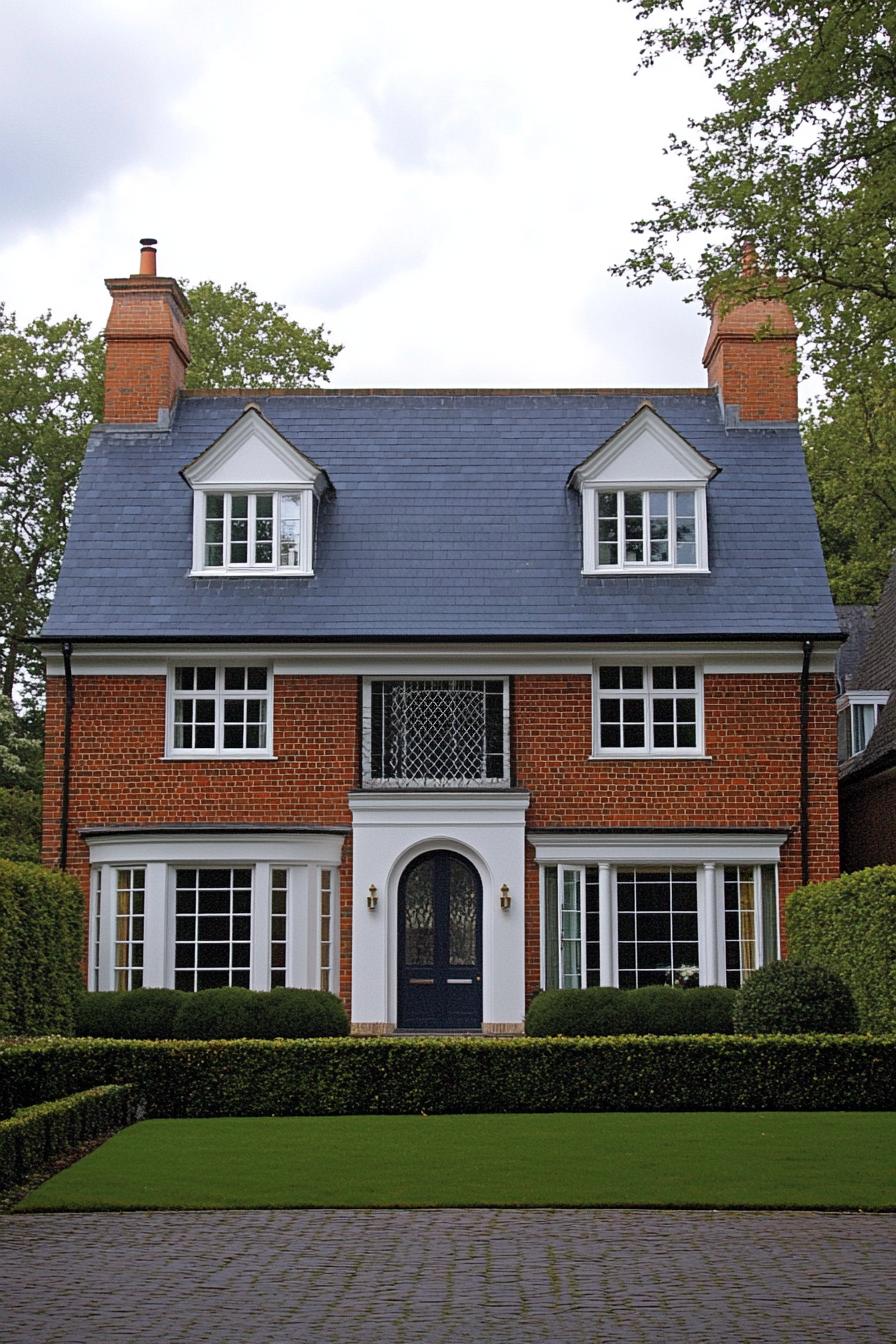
x: 750, y: 1160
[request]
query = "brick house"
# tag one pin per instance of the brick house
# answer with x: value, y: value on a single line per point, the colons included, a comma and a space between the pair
x: 433, y: 698
x: 866, y: 720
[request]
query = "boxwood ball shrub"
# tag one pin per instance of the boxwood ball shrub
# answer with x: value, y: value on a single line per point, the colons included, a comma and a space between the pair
x: 658, y: 1010
x: 793, y: 996
x: 246, y: 1014
x: 129, y: 1015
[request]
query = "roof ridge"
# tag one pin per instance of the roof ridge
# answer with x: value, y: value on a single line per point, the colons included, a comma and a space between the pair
x: 192, y: 392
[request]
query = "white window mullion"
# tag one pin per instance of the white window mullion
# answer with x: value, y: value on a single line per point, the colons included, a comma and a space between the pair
x: 260, y: 955
x: 156, y: 926
x: 707, y: 926
x: 607, y: 922
x: 105, y: 969
x: 297, y: 927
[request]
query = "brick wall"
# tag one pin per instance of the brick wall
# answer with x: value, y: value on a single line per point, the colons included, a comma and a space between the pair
x: 120, y: 776
x: 752, y: 779
x: 868, y: 822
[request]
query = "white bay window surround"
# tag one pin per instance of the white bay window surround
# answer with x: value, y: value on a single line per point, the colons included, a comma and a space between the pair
x: 857, y: 716
x: 253, y: 503
x: 199, y: 912
x: 679, y: 910
x: 644, y: 501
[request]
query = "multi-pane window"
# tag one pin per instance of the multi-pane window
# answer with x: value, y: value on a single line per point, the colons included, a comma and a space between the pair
x: 643, y: 708
x: 219, y: 710
x: 436, y: 732
x: 279, y: 892
x: 571, y: 927
x: 751, y: 920
x: 96, y: 925
x: 256, y: 530
x: 857, y: 716
x: 130, y: 892
x: 656, y: 913
x: 213, y: 927
x: 646, y: 528
x: 327, y: 915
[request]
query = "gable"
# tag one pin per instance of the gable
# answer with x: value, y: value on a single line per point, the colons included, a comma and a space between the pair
x: 253, y: 453
x: 646, y: 450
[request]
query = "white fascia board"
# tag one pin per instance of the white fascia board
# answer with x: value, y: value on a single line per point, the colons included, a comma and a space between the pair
x: 646, y: 450
x: 286, y: 848
x: 411, y: 660
x: 623, y: 847
x: 404, y: 808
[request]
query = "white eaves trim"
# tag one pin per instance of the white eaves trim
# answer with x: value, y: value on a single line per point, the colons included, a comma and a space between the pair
x: 625, y: 847
x: 136, y: 848
x: 732, y: 658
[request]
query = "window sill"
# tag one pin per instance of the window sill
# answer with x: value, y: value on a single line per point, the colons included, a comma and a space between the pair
x: 650, y: 756
x: 644, y: 571
x: 218, y: 756
x: 255, y: 572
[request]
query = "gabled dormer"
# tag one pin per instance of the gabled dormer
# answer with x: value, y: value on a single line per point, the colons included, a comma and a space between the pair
x: 644, y: 501
x: 253, y: 502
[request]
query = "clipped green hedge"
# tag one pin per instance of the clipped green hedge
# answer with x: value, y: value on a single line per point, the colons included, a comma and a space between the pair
x: 654, y: 1010
x: 849, y: 926
x: 384, y: 1076
x: 41, y: 916
x: 210, y: 1015
x: 37, y: 1135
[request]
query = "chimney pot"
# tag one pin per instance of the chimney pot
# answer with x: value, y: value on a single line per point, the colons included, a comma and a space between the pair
x: 148, y: 256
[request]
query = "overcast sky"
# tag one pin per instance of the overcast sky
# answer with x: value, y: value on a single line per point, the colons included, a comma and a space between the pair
x: 443, y: 186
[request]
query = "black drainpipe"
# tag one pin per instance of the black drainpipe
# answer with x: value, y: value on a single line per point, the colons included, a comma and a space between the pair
x: 66, y: 753
x: 804, y: 758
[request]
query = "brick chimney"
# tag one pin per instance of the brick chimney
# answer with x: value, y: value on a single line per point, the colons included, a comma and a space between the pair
x: 750, y: 355
x: 146, y: 344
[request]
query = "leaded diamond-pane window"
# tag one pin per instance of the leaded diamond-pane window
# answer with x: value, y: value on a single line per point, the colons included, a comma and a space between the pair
x: 440, y: 733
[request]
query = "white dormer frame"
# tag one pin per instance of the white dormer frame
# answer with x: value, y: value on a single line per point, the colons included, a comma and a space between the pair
x: 646, y: 454
x: 253, y: 458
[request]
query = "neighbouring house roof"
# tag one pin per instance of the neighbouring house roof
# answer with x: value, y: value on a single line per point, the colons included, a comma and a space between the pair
x: 856, y: 623
x: 876, y: 671
x: 450, y: 516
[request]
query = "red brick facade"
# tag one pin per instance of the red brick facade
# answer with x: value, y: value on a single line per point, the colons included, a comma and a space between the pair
x: 750, y: 357
x: 750, y: 779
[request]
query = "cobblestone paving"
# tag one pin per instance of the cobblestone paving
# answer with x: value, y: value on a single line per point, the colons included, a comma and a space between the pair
x: 548, y: 1275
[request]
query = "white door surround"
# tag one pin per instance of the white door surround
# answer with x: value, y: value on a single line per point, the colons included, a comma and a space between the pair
x: 392, y: 829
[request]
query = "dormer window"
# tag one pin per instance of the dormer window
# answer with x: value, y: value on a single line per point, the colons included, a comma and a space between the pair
x: 253, y: 503
x: 857, y: 716
x: 264, y: 530
x: 644, y: 501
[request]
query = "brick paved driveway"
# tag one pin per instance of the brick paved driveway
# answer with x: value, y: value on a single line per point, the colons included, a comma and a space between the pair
x: 558, y: 1275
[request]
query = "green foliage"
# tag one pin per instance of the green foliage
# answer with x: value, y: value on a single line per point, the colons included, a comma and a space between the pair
x: 793, y: 996
x: 850, y: 443
x: 239, y: 340
x: 246, y: 1014
x: 129, y: 1015
x: 50, y: 393
x: 658, y: 1010
x: 849, y: 926
x: 20, y: 820
x: 34, y: 1137
x: 380, y: 1076
x: 40, y: 949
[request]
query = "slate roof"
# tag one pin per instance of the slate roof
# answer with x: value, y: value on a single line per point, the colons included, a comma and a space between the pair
x: 450, y: 517
x: 856, y: 623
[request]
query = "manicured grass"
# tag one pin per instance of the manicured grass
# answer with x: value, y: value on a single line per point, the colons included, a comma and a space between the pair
x: 758, y: 1159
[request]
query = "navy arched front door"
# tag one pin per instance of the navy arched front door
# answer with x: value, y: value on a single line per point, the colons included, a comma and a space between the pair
x: 440, y: 943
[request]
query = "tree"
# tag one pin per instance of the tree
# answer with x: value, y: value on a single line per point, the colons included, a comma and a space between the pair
x: 800, y: 159
x: 239, y: 340
x: 50, y: 393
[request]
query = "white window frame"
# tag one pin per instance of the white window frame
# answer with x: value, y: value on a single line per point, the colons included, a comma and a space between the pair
x: 220, y: 696
x: 709, y: 853
x: 590, y: 503
x: 648, y: 694
x: 304, y: 567
x: 848, y: 703
x: 304, y: 855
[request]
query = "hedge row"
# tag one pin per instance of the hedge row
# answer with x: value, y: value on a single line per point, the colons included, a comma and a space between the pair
x: 210, y: 1015
x: 35, y: 1136
x: 849, y: 926
x: 655, y: 1010
x: 399, y: 1077
x: 40, y: 949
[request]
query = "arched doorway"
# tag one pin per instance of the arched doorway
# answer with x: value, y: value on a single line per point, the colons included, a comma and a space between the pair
x: 440, y: 943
